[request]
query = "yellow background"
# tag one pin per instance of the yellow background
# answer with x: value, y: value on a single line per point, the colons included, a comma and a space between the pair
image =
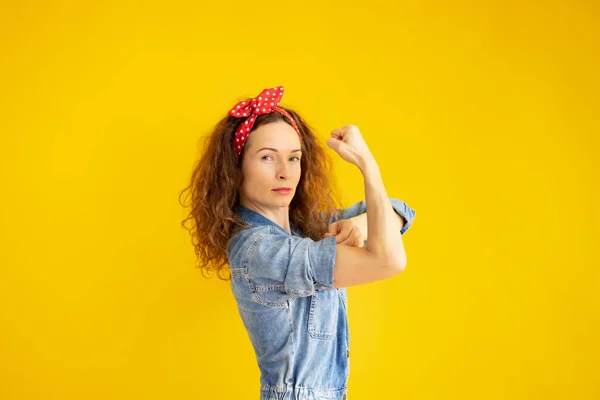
x: 483, y: 117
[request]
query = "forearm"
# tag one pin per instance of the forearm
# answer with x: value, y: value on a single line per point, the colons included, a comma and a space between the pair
x: 382, y: 227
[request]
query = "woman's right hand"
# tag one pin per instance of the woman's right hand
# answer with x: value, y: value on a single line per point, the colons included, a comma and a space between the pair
x: 348, y: 142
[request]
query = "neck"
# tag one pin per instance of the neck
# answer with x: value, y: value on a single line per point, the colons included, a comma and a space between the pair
x: 279, y: 215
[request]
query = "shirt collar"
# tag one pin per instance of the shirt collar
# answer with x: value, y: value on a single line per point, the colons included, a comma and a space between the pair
x: 253, y: 218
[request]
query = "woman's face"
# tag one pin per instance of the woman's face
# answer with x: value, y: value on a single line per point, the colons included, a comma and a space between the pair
x: 271, y: 160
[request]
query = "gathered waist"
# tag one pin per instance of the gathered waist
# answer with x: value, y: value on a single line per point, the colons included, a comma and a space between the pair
x: 290, y: 392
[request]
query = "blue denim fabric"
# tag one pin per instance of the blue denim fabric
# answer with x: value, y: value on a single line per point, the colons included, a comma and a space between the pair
x: 295, y: 318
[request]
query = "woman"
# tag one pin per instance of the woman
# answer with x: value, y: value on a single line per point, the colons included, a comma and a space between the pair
x: 263, y: 204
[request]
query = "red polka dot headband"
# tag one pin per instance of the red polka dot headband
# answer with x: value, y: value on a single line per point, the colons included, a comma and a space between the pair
x: 266, y: 102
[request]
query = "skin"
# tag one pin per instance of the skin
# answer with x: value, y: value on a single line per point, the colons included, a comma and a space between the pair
x: 353, y: 231
x: 267, y: 169
x: 264, y: 170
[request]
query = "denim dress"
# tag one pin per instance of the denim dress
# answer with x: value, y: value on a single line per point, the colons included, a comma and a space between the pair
x: 297, y: 321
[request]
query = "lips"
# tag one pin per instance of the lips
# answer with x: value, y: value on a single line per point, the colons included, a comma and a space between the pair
x: 282, y: 190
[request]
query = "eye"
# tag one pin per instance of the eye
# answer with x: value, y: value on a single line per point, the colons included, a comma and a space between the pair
x: 295, y: 157
x: 262, y: 158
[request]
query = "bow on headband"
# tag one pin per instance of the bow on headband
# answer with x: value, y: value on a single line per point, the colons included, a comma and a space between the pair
x: 266, y: 102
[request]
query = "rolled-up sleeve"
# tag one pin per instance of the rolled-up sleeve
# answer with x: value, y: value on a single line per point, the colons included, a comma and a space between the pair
x: 301, y: 265
x: 398, y: 205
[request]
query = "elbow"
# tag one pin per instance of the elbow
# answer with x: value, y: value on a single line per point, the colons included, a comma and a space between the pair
x: 401, y: 264
x: 396, y: 262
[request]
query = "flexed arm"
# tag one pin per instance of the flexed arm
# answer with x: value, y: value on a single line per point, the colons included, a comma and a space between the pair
x: 386, y: 246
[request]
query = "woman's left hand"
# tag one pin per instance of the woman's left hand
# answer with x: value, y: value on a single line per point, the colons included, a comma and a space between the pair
x: 348, y: 232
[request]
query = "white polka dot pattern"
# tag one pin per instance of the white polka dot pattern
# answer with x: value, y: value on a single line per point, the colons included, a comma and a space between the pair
x: 266, y: 102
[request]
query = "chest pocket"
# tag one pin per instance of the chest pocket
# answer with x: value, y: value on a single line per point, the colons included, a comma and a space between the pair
x: 323, y: 316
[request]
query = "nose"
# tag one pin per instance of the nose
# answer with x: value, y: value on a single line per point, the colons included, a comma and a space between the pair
x: 282, y: 172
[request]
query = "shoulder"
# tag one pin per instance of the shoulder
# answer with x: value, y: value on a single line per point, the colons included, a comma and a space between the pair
x: 259, y: 239
x: 244, y: 238
x: 267, y: 244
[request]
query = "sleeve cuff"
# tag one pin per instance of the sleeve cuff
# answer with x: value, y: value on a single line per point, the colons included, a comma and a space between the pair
x: 405, y: 211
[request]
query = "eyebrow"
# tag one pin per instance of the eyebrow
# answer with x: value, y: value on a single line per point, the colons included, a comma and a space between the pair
x: 275, y: 150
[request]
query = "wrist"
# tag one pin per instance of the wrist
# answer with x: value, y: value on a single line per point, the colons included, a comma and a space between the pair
x: 367, y: 163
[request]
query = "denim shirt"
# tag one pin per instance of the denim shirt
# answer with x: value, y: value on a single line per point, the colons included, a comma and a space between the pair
x: 295, y: 318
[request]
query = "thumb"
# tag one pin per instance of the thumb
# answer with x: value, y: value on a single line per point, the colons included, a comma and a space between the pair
x: 334, y: 143
x: 332, y: 230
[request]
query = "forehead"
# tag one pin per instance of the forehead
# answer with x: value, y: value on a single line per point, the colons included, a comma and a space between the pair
x: 279, y: 135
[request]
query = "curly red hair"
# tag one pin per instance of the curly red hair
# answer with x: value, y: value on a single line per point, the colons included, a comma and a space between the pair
x: 216, y: 179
